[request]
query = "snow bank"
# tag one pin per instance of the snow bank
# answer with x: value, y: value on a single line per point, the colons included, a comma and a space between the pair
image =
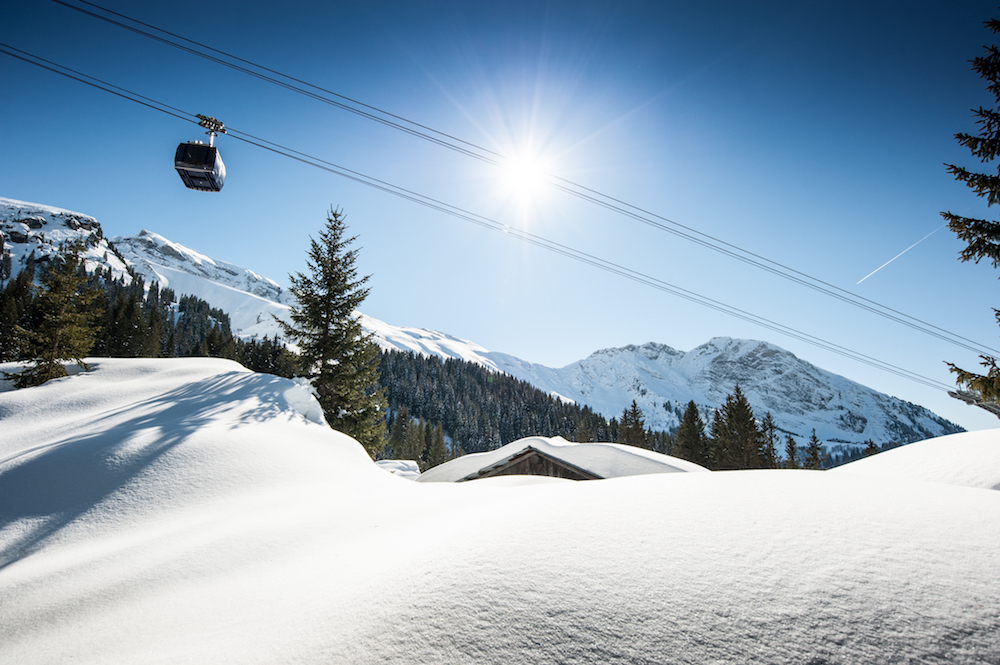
x: 970, y: 459
x: 399, y: 467
x: 604, y: 460
x: 164, y: 511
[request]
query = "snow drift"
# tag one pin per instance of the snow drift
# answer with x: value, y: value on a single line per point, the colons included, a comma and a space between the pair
x: 186, y: 510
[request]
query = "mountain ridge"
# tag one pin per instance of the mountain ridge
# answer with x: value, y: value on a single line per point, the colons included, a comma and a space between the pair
x: 661, y: 379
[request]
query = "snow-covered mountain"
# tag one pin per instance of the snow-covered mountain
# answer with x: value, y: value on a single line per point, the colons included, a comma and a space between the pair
x: 662, y: 380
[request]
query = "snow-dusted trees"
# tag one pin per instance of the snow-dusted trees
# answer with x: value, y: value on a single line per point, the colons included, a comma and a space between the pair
x: 341, y: 361
x: 982, y: 237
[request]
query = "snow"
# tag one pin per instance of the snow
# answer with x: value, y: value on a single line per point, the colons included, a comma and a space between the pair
x: 186, y: 510
x: 605, y: 460
x: 403, y: 468
x: 970, y: 459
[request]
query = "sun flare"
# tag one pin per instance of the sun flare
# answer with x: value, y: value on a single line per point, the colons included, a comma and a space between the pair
x: 526, y: 179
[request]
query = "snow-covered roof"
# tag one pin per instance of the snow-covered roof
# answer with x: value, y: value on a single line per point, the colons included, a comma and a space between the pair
x: 969, y: 459
x: 601, y: 460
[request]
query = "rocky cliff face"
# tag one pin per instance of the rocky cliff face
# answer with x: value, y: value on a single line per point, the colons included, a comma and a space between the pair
x: 35, y: 232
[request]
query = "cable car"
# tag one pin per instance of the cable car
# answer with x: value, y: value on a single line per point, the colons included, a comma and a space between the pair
x: 200, y: 166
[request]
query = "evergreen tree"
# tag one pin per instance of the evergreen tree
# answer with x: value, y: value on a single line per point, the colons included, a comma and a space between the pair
x: 791, y: 453
x: 982, y: 237
x: 690, y: 441
x: 814, y: 453
x: 397, y: 433
x: 735, y: 435
x: 583, y: 433
x: 632, y: 428
x: 16, y: 311
x: 341, y: 361
x: 437, y: 453
x: 870, y: 449
x: 769, y: 442
x: 414, y: 442
x: 66, y: 330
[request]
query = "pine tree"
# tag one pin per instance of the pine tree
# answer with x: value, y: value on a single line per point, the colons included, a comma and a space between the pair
x: 341, y: 361
x: 632, y: 429
x: 67, y: 328
x: 16, y: 308
x: 690, y: 441
x: 768, y: 442
x: 982, y: 237
x: 870, y: 449
x: 735, y: 435
x: 791, y: 453
x: 437, y: 453
x: 814, y: 458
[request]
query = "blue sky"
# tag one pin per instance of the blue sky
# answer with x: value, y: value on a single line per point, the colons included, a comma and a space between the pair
x: 813, y: 134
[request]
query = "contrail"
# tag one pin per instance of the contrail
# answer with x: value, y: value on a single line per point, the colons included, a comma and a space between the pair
x: 901, y: 253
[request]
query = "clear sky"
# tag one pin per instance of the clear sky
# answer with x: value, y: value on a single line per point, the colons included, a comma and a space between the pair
x: 810, y: 133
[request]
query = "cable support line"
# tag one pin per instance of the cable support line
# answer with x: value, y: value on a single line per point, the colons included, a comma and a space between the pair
x: 582, y: 192
x: 94, y: 82
x: 583, y: 257
x: 485, y: 222
x: 278, y: 82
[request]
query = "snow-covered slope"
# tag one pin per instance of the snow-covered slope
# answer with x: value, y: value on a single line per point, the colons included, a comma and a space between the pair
x: 185, y: 510
x: 970, y: 459
x: 660, y: 379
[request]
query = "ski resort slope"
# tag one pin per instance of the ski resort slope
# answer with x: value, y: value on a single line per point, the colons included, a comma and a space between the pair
x: 186, y: 510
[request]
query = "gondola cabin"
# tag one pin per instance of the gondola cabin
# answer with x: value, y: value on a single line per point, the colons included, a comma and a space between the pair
x: 200, y: 166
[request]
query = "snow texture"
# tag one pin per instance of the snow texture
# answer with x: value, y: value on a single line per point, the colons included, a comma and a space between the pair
x: 186, y: 510
x: 604, y: 460
x: 970, y: 459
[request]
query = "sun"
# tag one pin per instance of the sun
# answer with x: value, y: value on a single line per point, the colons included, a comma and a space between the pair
x: 526, y: 179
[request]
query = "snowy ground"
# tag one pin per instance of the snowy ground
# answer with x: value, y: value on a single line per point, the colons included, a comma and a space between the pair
x: 186, y: 510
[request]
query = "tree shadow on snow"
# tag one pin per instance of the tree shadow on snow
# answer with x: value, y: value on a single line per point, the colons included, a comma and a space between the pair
x: 45, y: 489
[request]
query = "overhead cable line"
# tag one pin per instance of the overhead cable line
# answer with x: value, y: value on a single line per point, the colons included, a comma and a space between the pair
x: 573, y: 189
x: 474, y: 218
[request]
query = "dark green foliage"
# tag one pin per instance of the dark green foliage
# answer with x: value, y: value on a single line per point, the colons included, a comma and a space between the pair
x: 268, y: 356
x: 735, y: 435
x: 66, y: 327
x: 632, y: 428
x: 478, y: 410
x: 690, y: 441
x: 814, y: 453
x: 791, y: 453
x: 336, y: 355
x: 17, y: 314
x: 768, y: 442
x: 870, y: 449
x: 437, y: 452
x: 122, y: 319
x: 982, y: 237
